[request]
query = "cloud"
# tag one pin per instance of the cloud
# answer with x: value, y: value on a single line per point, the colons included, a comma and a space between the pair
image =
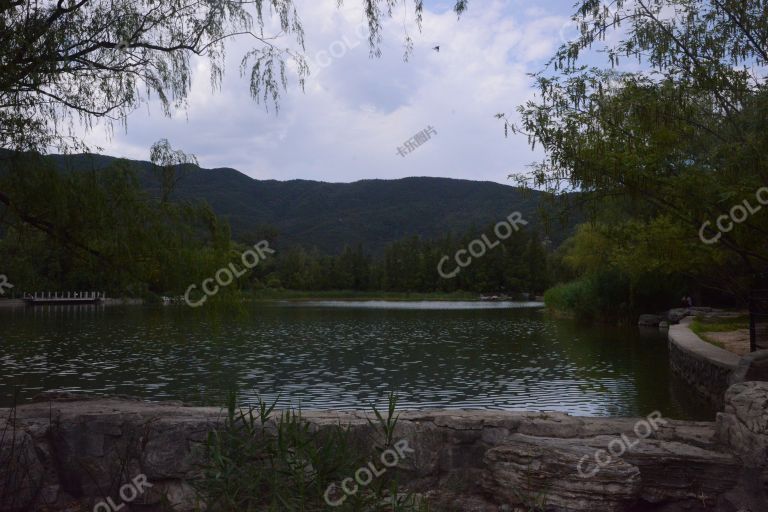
x: 354, y: 113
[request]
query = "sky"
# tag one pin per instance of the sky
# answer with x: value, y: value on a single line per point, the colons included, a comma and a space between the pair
x: 356, y: 111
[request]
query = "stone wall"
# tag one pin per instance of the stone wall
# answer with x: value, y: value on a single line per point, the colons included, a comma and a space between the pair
x: 66, y: 452
x: 704, y: 366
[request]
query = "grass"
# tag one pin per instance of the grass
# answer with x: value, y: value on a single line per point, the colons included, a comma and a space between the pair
x: 720, y: 325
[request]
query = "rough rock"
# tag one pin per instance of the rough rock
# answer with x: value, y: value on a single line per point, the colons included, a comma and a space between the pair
x: 675, y: 315
x: 83, y: 450
x: 651, y: 471
x: 743, y: 426
x: 531, y: 470
x: 21, y: 470
x: 650, y: 320
x: 743, y: 429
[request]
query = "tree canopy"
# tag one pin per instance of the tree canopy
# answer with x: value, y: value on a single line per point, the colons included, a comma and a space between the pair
x: 88, y: 60
x: 70, y: 63
x: 674, y: 123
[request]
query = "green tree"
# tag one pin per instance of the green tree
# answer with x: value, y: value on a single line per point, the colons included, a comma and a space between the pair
x: 680, y: 140
x: 99, y: 229
x: 100, y: 59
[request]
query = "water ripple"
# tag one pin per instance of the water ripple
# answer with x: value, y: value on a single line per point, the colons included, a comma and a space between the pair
x: 345, y: 355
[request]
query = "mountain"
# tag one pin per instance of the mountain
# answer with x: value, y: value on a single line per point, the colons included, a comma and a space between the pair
x: 331, y: 215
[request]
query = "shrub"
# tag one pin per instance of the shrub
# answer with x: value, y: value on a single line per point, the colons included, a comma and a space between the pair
x: 598, y: 296
x: 609, y: 295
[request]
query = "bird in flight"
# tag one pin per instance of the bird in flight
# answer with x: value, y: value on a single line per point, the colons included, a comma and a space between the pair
x: 436, y: 48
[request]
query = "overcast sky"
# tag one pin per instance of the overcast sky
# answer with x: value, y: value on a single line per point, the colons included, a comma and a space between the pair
x: 356, y: 111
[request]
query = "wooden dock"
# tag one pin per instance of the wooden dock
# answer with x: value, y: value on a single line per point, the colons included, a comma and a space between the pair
x: 41, y: 298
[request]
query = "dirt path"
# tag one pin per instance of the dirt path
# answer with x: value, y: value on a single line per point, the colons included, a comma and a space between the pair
x: 732, y: 341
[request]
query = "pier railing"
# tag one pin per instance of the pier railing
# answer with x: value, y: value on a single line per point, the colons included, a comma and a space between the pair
x: 63, y: 297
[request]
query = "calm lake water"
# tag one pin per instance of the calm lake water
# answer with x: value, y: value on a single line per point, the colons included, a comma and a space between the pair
x: 510, y: 356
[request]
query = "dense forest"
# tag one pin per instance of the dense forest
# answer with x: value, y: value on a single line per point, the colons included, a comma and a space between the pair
x: 102, y: 229
x: 123, y: 229
x: 517, y: 266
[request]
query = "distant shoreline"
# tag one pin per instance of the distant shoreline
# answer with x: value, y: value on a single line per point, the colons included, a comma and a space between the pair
x: 300, y: 296
x: 271, y: 295
x: 125, y: 301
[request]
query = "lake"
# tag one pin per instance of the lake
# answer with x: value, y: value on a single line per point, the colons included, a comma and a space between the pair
x: 344, y: 354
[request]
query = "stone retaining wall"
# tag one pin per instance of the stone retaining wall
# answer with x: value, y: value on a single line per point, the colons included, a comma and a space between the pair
x: 64, y: 453
x: 704, y: 366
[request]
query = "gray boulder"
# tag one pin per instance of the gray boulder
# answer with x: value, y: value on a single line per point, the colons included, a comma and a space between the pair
x: 650, y: 320
x: 743, y: 429
x: 675, y: 315
x: 743, y: 426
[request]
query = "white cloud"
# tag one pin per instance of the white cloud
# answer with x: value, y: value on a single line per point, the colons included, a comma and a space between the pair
x: 353, y: 115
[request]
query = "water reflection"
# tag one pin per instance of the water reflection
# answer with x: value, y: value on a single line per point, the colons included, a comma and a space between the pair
x: 420, y: 304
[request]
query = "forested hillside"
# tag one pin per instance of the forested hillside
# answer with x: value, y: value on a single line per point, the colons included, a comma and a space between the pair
x: 330, y: 216
x: 143, y: 229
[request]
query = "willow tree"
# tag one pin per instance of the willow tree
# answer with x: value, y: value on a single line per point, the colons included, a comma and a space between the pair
x: 674, y: 122
x: 100, y: 59
x: 71, y: 63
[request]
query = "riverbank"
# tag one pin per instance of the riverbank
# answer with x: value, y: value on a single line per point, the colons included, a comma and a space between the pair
x: 79, y: 450
x: 279, y: 294
x: 19, y: 303
x: 709, y: 367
